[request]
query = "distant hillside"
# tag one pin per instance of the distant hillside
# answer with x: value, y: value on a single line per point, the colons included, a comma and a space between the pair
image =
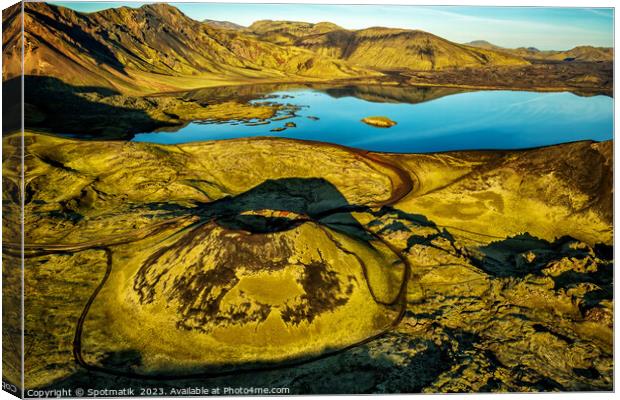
x: 483, y: 44
x: 382, y: 48
x: 288, y: 32
x: 579, y: 53
x: 151, y: 48
x: 222, y: 24
x: 584, y: 53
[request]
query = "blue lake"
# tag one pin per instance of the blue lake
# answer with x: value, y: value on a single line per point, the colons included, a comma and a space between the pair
x: 428, y: 120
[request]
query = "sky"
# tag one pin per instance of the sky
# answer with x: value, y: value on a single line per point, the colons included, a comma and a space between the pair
x: 546, y: 28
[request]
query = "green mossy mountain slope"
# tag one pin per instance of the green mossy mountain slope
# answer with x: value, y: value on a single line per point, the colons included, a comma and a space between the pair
x: 151, y: 48
x: 384, y: 48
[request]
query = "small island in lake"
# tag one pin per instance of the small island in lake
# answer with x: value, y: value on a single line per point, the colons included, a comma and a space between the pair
x: 379, y: 122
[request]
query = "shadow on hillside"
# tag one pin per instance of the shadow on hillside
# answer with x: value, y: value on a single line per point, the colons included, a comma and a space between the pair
x: 307, y: 199
x: 525, y: 254
x: 50, y: 105
x: 11, y: 105
x: 76, y: 34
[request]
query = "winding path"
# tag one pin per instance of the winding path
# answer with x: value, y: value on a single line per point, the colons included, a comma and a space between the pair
x: 402, y: 185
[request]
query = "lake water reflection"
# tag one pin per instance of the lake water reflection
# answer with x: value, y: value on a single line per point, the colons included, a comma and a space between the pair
x: 429, y: 119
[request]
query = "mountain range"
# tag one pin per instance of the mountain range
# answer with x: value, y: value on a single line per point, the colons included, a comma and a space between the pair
x: 222, y: 24
x: 579, y: 53
x: 157, y: 48
x: 381, y: 48
x: 152, y: 48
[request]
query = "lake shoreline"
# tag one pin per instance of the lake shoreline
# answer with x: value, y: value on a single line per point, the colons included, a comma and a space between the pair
x: 256, y: 110
x: 336, y: 114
